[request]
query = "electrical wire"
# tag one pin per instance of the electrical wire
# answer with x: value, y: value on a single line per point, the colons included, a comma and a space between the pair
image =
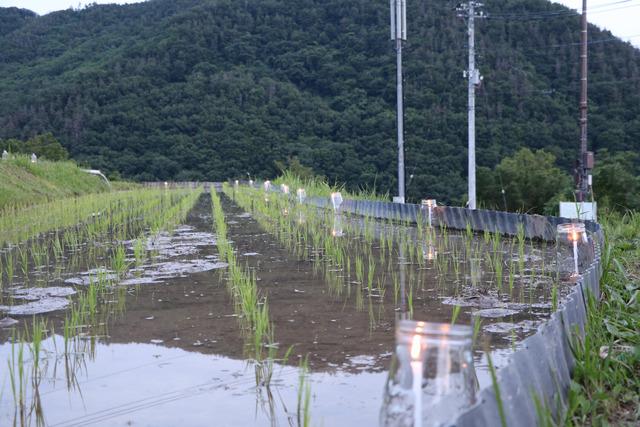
x: 561, y: 13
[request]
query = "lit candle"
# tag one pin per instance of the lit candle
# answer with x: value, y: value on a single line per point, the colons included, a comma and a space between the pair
x: 430, y: 204
x: 336, y: 200
x: 574, y: 237
x: 302, y: 195
x: 284, y: 188
x: 416, y: 368
x: 336, y: 231
x: 431, y: 253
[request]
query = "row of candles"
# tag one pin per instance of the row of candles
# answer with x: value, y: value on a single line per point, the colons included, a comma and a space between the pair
x: 573, y: 234
x: 432, y: 375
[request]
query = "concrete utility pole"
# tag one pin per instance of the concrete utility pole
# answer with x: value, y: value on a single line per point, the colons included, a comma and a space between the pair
x: 470, y: 12
x: 585, y: 160
x: 398, y: 10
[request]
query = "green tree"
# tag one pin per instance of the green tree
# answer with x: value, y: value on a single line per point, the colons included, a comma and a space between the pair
x: 45, y: 146
x: 614, y: 184
x: 529, y: 180
x: 173, y: 89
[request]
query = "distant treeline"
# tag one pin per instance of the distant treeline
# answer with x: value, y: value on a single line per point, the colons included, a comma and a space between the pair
x: 209, y: 90
x: 45, y: 145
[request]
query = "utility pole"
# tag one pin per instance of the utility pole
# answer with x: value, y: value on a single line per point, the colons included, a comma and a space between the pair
x: 399, y: 33
x: 585, y: 159
x: 470, y: 11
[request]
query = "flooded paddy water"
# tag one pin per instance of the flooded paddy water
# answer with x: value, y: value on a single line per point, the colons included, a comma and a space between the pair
x: 248, y: 312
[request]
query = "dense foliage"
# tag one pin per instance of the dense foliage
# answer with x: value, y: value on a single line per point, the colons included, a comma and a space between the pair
x: 216, y: 89
x: 45, y: 145
x: 516, y: 186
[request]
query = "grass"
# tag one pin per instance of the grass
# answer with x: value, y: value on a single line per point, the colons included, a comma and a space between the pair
x: 253, y: 310
x: 25, y: 183
x: 367, y: 250
x: 315, y: 186
x: 304, y: 395
x: 605, y: 389
x: 496, y: 390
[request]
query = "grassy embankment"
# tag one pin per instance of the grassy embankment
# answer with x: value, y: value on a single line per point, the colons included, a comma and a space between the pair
x: 605, y: 389
x: 25, y: 183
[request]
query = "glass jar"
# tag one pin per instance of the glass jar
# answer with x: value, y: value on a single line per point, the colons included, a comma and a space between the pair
x: 573, y: 250
x: 429, y: 205
x: 431, y: 377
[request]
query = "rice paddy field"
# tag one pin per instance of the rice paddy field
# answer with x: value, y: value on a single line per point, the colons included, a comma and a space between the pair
x: 167, y: 307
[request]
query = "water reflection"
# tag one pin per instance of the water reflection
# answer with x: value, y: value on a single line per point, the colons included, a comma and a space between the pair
x: 191, y: 388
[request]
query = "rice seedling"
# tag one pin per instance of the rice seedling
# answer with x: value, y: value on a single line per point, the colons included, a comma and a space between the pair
x: 9, y: 265
x: 498, y: 271
x: 139, y: 251
x: 18, y: 378
x: 37, y: 254
x: 24, y: 261
x: 118, y: 260
x: 511, y: 278
x: 477, y: 326
x: 410, y: 301
x: 554, y: 297
x: 496, y: 390
x: 370, y: 274
x: 455, y: 314
x: 521, y: 244
x: 304, y: 394
x: 359, y: 269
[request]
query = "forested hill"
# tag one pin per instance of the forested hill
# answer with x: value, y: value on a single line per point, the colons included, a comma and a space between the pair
x: 199, y: 89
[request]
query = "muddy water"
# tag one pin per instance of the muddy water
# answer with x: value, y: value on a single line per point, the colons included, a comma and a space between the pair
x: 175, y: 356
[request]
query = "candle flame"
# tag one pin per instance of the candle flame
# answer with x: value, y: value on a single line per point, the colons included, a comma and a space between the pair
x: 574, y: 235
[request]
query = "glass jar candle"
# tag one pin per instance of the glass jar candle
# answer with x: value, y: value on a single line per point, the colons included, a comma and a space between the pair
x: 336, y: 200
x: 429, y: 205
x: 573, y: 251
x: 302, y: 195
x: 431, y: 375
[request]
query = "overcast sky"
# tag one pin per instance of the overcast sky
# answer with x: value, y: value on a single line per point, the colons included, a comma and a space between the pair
x: 621, y: 17
x: 43, y: 7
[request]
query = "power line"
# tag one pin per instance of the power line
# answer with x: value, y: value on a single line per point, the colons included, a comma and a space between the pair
x: 573, y: 12
x: 555, y: 46
x: 561, y: 13
x: 598, y: 41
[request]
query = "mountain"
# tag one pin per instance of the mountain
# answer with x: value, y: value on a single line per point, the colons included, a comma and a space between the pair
x: 213, y: 89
